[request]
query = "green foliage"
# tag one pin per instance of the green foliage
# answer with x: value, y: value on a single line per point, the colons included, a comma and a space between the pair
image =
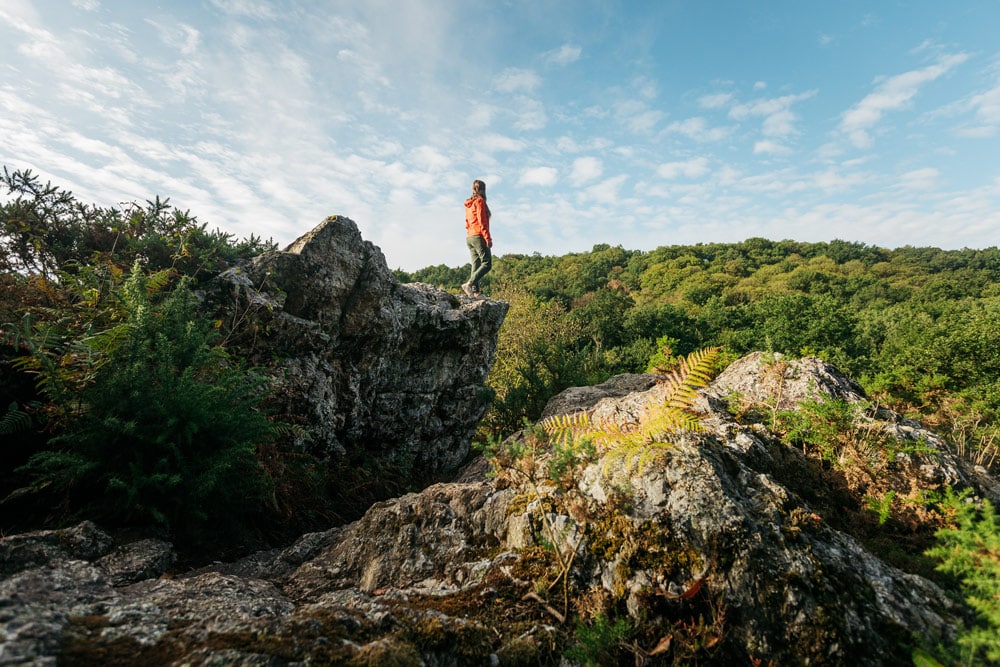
x: 128, y: 409
x: 970, y: 551
x: 440, y: 276
x: 799, y: 324
x: 44, y: 230
x: 882, y: 506
x: 165, y: 429
x: 568, y: 456
x: 534, y: 359
x: 922, y: 658
x: 663, y: 360
x: 916, y: 325
x: 820, y: 425
x: 598, y: 642
x: 14, y: 420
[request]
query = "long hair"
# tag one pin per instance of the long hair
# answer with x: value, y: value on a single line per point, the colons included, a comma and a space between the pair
x: 479, y: 190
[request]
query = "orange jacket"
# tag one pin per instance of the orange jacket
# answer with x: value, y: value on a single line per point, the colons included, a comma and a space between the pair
x: 477, y: 219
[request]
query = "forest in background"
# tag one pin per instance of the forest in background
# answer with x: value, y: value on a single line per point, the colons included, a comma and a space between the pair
x: 917, y: 327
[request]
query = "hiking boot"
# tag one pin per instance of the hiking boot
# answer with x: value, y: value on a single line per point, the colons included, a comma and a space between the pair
x: 467, y: 288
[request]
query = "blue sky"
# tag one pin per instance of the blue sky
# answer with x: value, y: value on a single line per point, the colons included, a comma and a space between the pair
x: 638, y: 124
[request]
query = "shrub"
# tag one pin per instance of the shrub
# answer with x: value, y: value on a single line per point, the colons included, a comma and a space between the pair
x: 535, y: 360
x: 598, y: 643
x: 166, y: 430
x: 970, y: 550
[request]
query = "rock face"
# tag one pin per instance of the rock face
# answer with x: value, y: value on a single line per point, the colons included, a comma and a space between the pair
x: 724, y: 547
x: 370, y: 368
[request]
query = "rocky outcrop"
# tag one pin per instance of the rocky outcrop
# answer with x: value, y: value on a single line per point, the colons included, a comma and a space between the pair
x: 725, y: 547
x: 370, y: 369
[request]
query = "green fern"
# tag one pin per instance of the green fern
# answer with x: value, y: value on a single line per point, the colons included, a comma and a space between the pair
x: 14, y: 420
x: 657, y: 426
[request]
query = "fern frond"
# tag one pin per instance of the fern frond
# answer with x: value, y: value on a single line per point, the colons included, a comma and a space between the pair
x: 157, y: 281
x: 562, y: 429
x: 561, y: 423
x: 662, y: 419
x: 14, y: 420
x: 665, y: 420
x: 107, y: 340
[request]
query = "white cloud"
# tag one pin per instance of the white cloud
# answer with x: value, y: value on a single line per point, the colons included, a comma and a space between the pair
x: 891, y: 94
x: 246, y: 114
x: 255, y: 9
x: 585, y: 169
x: 369, y: 69
x: 480, y: 116
x: 179, y: 37
x: 779, y: 124
x: 767, y: 146
x: 496, y: 143
x: 714, y: 100
x: 529, y: 114
x: 564, y: 55
x: 515, y: 80
x: 428, y: 157
x: 605, y: 192
x: 833, y: 180
x: 987, y: 105
x: 728, y: 175
x: 697, y: 129
x: 645, y: 87
x: 692, y: 168
x: 570, y: 145
x: 645, y: 121
x: 921, y: 180
x: 779, y: 119
x: 637, y: 116
x: 543, y: 176
x: 976, y: 131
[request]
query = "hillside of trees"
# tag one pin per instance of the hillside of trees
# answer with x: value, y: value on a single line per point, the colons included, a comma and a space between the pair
x: 917, y: 327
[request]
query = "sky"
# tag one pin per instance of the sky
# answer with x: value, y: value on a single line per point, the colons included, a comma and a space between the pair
x: 630, y: 123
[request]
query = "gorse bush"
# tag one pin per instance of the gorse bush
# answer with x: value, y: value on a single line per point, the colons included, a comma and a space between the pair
x: 45, y: 231
x: 165, y: 432
x: 121, y: 405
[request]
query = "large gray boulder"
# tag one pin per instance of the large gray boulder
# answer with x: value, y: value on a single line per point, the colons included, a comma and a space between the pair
x: 371, y: 369
x: 727, y: 546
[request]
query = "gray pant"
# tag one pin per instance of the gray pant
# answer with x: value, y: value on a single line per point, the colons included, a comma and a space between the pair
x: 482, y: 260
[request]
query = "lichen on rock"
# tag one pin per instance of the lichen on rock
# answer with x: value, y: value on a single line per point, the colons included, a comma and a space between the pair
x: 371, y: 369
x: 730, y: 546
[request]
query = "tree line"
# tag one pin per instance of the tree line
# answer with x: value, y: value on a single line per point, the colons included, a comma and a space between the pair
x: 917, y: 327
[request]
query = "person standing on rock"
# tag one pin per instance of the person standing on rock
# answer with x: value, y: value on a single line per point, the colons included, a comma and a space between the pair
x: 477, y: 237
